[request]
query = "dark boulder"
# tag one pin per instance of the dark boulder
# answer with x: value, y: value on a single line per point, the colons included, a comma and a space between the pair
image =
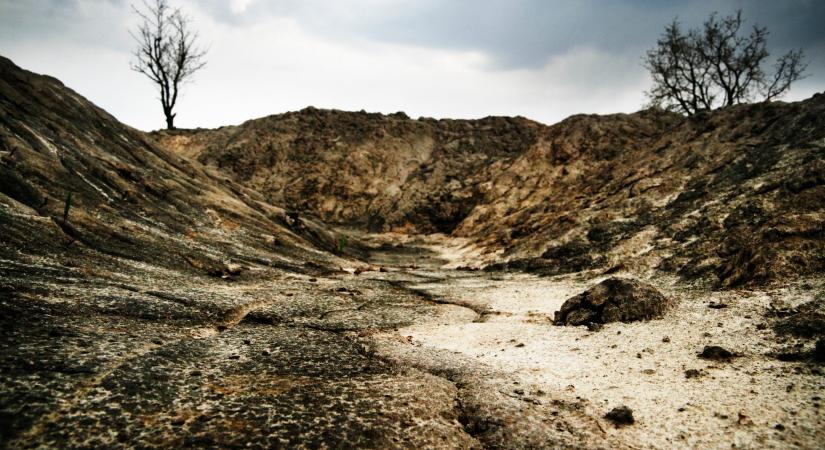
x: 620, y: 416
x: 613, y: 300
x: 716, y: 353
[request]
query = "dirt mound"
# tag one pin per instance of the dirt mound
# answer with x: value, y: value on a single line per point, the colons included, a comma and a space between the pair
x: 734, y: 196
x: 381, y: 172
x: 613, y: 300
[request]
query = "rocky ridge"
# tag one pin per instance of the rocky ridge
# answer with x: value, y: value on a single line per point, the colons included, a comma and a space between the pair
x: 732, y: 197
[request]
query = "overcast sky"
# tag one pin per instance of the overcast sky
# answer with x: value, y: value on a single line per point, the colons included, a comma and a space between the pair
x: 543, y: 59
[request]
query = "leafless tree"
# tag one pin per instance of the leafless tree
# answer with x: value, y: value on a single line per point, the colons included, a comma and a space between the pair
x: 167, y: 52
x: 716, y: 65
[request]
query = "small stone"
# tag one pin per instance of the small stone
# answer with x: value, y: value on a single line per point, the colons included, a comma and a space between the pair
x: 693, y: 373
x: 666, y: 339
x: 620, y: 416
x: 716, y: 353
x: 520, y: 344
x: 233, y: 269
x: 247, y: 342
x: 779, y: 427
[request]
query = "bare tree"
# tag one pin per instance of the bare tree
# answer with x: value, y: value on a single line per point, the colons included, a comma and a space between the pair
x: 167, y: 53
x: 716, y: 65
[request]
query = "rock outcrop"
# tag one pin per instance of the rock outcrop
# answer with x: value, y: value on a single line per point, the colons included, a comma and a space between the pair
x: 613, y: 300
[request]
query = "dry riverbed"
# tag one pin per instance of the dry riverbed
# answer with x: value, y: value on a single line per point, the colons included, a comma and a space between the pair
x: 679, y: 400
x: 403, y: 353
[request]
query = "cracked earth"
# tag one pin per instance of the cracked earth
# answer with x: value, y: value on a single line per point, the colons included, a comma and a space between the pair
x: 413, y: 355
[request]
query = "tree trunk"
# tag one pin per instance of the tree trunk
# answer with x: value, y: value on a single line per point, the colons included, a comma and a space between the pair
x: 170, y: 121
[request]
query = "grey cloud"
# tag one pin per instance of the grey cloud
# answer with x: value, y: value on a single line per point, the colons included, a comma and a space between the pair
x: 99, y: 23
x: 536, y: 36
x: 526, y: 33
x: 513, y: 33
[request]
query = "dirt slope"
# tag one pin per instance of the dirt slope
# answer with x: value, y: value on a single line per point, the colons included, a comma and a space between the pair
x: 129, y: 198
x: 732, y: 197
x: 735, y: 196
x: 360, y: 169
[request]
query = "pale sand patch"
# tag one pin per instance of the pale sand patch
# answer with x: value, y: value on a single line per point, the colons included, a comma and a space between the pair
x: 732, y: 405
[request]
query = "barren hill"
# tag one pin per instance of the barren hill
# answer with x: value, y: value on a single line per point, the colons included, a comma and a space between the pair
x: 360, y: 169
x: 129, y: 198
x: 733, y: 196
x: 160, y: 305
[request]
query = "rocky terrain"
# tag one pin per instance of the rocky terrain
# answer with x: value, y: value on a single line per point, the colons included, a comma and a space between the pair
x: 652, y: 281
x: 733, y: 197
x: 364, y: 170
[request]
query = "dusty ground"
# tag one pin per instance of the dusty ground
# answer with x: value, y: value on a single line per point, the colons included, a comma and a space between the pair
x: 412, y: 356
x: 753, y: 401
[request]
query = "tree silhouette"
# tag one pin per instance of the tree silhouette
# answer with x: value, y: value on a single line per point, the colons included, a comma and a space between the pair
x: 716, y: 65
x: 167, y: 53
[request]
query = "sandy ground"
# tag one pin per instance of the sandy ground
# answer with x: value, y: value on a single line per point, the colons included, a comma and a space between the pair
x: 753, y: 401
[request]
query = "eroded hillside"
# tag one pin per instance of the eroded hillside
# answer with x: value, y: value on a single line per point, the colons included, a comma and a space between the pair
x: 732, y: 197
x: 367, y: 170
x: 129, y: 198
